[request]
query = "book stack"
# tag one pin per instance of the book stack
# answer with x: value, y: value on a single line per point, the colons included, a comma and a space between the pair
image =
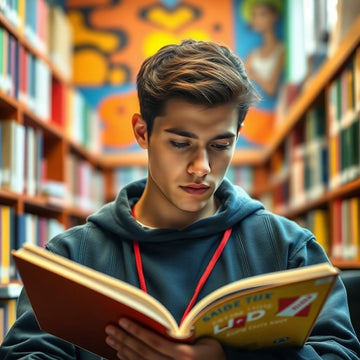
x: 34, y: 87
x: 318, y: 222
x: 308, y: 166
x: 60, y: 41
x: 8, y: 239
x: 8, y: 63
x: 242, y: 176
x: 8, y: 296
x: 344, y: 123
x: 346, y: 229
x: 86, y: 187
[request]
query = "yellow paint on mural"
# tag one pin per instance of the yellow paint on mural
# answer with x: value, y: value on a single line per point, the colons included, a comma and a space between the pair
x: 90, y: 68
x: 117, y: 76
x: 157, y: 39
x: 104, y: 41
x: 170, y: 20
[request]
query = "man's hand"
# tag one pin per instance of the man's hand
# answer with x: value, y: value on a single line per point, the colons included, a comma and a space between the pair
x: 132, y: 341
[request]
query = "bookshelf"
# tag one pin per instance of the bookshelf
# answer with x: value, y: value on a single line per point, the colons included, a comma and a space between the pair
x: 316, y: 148
x: 60, y: 166
x: 47, y: 133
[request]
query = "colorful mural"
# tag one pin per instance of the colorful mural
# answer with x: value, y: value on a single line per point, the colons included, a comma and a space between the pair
x: 259, y: 25
x: 113, y: 37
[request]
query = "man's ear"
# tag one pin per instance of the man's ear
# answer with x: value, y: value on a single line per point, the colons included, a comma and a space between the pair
x: 140, y: 130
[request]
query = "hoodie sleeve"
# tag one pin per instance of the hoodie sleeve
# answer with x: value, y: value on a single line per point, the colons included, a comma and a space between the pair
x: 25, y: 340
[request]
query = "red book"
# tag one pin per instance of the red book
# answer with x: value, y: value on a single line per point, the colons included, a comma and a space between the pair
x: 58, y: 101
x: 23, y: 68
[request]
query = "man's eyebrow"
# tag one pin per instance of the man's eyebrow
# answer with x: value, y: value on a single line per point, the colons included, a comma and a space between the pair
x: 188, y: 134
x: 180, y: 132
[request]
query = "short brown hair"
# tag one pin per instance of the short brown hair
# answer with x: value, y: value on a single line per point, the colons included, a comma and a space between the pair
x: 197, y: 71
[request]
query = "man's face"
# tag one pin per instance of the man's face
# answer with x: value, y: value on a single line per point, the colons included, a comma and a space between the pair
x: 189, y: 150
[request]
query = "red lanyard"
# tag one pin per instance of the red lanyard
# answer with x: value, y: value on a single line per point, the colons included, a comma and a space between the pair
x: 203, y: 278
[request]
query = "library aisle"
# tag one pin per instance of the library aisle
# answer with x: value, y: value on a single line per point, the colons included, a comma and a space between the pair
x: 53, y: 173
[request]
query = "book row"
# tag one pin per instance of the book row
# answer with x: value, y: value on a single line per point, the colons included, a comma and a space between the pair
x: 24, y: 169
x: 241, y: 175
x: 346, y: 222
x: 344, y: 130
x: 7, y: 315
x: 345, y: 226
x: 8, y: 298
x: 46, y: 28
x: 21, y: 161
x: 322, y: 152
x: 30, y: 17
x: 85, y: 184
x: 308, y: 168
x: 24, y: 76
x: 125, y: 174
x: 17, y: 229
x: 28, y: 79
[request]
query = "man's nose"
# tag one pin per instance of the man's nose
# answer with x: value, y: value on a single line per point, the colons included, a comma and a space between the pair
x: 200, y: 165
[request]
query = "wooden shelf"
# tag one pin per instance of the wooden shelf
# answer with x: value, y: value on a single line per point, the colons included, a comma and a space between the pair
x: 346, y: 264
x: 314, y: 94
x: 315, y: 85
x: 55, y: 144
x: 241, y: 157
x: 248, y: 157
x: 129, y: 159
x: 8, y: 197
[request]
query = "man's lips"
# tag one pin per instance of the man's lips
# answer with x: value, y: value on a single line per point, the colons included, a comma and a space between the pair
x: 196, y: 189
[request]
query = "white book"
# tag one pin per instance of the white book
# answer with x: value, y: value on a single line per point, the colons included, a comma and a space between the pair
x: 30, y: 161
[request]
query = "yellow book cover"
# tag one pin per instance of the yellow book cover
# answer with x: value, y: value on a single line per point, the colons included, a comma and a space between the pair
x: 357, y: 79
x: 11, y: 309
x: 5, y: 244
x: 321, y: 228
x: 355, y: 227
x: 21, y: 12
x: 2, y: 324
x: 275, y: 309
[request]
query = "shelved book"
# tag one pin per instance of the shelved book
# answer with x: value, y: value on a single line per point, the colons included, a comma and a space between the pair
x: 75, y: 303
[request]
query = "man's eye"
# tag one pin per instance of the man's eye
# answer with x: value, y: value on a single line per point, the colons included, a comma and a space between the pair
x: 178, y: 144
x: 223, y: 146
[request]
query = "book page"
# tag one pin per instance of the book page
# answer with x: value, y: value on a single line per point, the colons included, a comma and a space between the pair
x: 265, y: 317
x: 262, y: 281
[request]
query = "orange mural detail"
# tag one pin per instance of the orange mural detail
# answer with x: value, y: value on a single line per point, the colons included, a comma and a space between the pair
x: 170, y: 20
x: 101, y: 40
x: 258, y: 126
x: 117, y: 128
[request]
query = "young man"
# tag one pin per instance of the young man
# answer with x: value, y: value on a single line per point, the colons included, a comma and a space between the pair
x: 193, y: 99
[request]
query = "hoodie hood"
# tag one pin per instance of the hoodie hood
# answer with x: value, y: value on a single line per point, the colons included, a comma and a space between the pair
x: 235, y: 206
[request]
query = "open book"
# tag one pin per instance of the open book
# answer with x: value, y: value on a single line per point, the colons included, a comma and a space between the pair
x: 75, y: 303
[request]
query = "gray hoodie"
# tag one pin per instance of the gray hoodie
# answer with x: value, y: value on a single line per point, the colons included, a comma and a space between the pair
x: 173, y: 261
